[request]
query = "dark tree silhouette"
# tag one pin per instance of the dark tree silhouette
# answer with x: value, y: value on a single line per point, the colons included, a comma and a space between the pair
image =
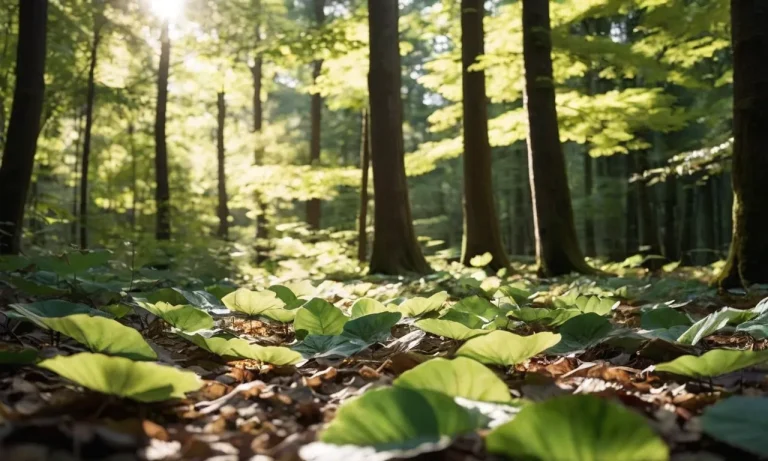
x: 314, y: 206
x: 162, y: 188
x: 223, y: 208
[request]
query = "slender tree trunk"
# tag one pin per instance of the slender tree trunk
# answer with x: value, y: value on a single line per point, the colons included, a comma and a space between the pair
x: 522, y: 211
x: 24, y: 126
x: 589, y: 222
x: 223, y: 209
x: 134, y: 177
x: 557, y: 245
x: 632, y: 237
x: 257, y: 73
x: 89, y: 104
x: 687, y: 231
x: 76, y: 172
x: 650, y: 244
x: 365, y: 165
x: 314, y: 207
x: 395, y: 248
x: 671, y: 240
x: 481, y: 224
x: 162, y: 187
x: 749, y: 247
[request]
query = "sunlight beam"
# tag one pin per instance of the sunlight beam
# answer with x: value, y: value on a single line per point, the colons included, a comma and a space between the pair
x: 167, y: 9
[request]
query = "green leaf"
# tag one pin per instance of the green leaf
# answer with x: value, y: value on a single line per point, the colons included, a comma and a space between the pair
x: 415, y: 307
x: 372, y: 328
x: 460, y: 377
x: 595, y: 305
x: 284, y: 293
x: 18, y: 356
x: 740, y: 422
x: 220, y: 291
x: 162, y: 295
x: 449, y: 329
x: 713, y: 322
x: 185, y: 318
x: 34, y: 288
x: 140, y: 381
x: 103, y: 335
x: 36, y: 312
x: 319, y: 346
x: 713, y: 363
x: 480, y: 307
x: 201, y: 299
x: 117, y: 310
x: 664, y: 318
x: 398, y: 418
x: 757, y: 328
x: 577, y: 428
x: 550, y: 317
x: 228, y: 346
x: 319, y: 317
x: 519, y: 295
x: 367, y: 306
x: 507, y: 349
x: 303, y: 288
x: 76, y: 262
x: 582, y: 332
x: 481, y: 260
x: 259, y: 303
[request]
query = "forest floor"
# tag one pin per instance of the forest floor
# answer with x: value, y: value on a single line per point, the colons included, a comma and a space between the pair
x: 613, y: 331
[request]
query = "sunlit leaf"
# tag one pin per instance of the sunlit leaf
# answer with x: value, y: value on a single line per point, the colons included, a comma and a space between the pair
x: 371, y: 328
x: 140, y: 381
x: 713, y: 363
x: 319, y: 346
x: 714, y: 322
x: 228, y: 346
x: 460, y: 377
x: 259, y: 303
x: 35, y: 312
x: 551, y: 317
x: 582, y: 332
x: 367, y: 306
x: 185, y: 318
x: 415, y: 307
x: 449, y: 329
x: 507, y: 349
x: 319, y: 317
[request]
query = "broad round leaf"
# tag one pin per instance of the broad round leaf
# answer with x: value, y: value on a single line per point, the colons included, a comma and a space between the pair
x: 551, y: 317
x: 259, y: 303
x: 713, y: 322
x: 367, y: 306
x: 740, y: 422
x: 507, y: 349
x: 460, y: 377
x: 713, y: 363
x: 242, y: 349
x: 449, y: 329
x: 398, y: 418
x: 372, y: 328
x: 140, y: 381
x: 317, y: 346
x: 664, y: 318
x: 319, y: 317
x: 35, y: 312
x: 577, y: 428
x: 185, y: 318
x: 415, y: 307
x: 582, y: 332
x: 103, y: 335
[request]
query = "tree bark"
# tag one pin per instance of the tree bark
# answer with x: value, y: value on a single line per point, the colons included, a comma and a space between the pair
x: 365, y: 165
x: 75, y: 172
x: 671, y: 240
x: 650, y: 244
x: 589, y: 222
x: 749, y: 247
x: 314, y: 207
x: 223, y: 208
x: 257, y: 73
x: 134, y: 177
x: 481, y: 223
x: 24, y: 125
x: 162, y: 187
x: 557, y: 246
x: 89, y: 104
x: 395, y: 248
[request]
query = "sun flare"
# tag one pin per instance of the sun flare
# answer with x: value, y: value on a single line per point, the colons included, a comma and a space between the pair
x: 167, y: 9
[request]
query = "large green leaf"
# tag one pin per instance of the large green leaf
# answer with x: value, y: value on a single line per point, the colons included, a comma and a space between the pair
x: 367, y: 306
x: 140, y: 381
x: 757, y: 328
x: 504, y: 348
x: 449, y: 329
x: 415, y: 307
x: 36, y: 312
x: 185, y: 318
x: 372, y: 328
x: 551, y: 317
x: 229, y: 346
x: 34, y: 288
x: 103, y: 335
x: 460, y: 377
x: 713, y: 363
x: 321, y: 346
x: 581, y: 333
x: 740, y: 422
x: 319, y: 317
x: 398, y: 418
x: 713, y: 322
x: 577, y: 428
x: 594, y: 304
x: 259, y: 303
x: 162, y: 295
x: 479, y: 307
x: 664, y: 318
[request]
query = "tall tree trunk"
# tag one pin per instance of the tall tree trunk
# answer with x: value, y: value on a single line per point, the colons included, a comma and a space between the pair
x: 24, y: 126
x: 557, y: 246
x: 589, y: 222
x: 134, y: 177
x: 257, y: 73
x: 314, y: 207
x: 749, y: 247
x: 365, y: 165
x: 671, y: 240
x: 522, y: 211
x: 395, y: 248
x: 75, y: 172
x: 223, y: 208
x: 650, y: 244
x: 709, y: 222
x: 481, y: 224
x: 89, y: 103
x: 162, y: 187
x: 632, y: 237
x: 687, y: 231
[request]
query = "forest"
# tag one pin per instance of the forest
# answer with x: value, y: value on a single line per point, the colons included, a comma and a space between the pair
x: 383, y: 229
